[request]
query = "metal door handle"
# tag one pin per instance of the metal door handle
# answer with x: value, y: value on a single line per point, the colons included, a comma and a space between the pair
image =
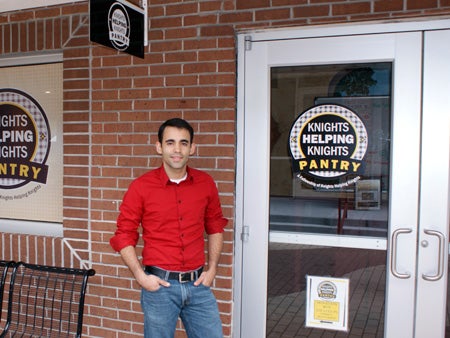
x: 394, y: 253
x: 441, y: 258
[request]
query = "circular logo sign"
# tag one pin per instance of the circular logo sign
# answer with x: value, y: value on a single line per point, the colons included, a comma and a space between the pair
x: 328, y: 142
x: 327, y: 290
x: 24, y: 140
x: 119, y: 26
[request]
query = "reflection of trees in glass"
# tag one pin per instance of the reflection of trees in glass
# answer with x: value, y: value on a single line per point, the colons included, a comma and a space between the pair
x: 356, y: 82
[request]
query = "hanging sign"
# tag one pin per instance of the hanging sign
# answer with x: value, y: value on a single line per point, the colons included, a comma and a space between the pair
x: 328, y: 143
x: 327, y: 303
x: 118, y: 24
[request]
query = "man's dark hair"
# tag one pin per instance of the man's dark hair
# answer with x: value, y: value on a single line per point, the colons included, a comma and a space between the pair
x: 177, y: 123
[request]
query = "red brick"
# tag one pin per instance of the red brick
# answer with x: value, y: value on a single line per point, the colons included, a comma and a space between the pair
x: 421, y: 4
x: 116, y: 83
x: 164, y: 46
x: 388, y: 5
x: 246, y: 4
x: 290, y: 2
x: 198, y: 44
x: 197, y: 20
x: 48, y: 12
x: 166, y: 92
x: 166, y: 22
x: 185, y: 80
x: 182, y: 8
x: 182, y: 103
x: 200, y: 91
x: 207, y: 6
x: 76, y: 95
x: 312, y: 11
x: 213, y: 55
x: 273, y: 14
x: 236, y: 17
x: 21, y: 16
x: 184, y: 57
x: 200, y: 67
x: 216, y: 79
x: 217, y: 30
x: 178, y: 33
x: 350, y: 8
x: 165, y: 69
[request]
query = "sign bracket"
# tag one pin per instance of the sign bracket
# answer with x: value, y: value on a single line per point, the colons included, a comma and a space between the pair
x: 144, y: 4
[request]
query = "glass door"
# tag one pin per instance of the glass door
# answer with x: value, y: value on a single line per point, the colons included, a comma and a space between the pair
x: 330, y: 183
x: 309, y: 213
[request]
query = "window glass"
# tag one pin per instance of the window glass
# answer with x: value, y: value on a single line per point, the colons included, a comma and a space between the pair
x: 356, y: 209
x: 31, y: 149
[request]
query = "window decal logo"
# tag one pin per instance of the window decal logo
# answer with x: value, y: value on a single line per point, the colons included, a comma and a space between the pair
x: 24, y: 140
x: 328, y: 143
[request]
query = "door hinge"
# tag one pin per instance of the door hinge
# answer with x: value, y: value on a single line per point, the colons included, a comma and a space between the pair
x: 248, y: 42
x: 245, y: 233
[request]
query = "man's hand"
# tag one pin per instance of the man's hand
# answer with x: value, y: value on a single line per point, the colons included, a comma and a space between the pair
x: 148, y: 282
x: 151, y: 282
x: 206, y: 278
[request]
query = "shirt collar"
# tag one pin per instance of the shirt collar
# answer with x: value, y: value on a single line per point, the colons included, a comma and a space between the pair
x: 165, y: 179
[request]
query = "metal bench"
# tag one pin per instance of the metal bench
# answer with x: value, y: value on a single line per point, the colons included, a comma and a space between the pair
x: 4, y: 266
x: 46, y: 301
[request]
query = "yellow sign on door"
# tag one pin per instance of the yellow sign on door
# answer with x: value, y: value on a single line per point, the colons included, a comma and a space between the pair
x: 327, y: 303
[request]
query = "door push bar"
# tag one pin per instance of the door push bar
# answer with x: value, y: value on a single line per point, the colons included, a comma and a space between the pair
x: 441, y: 259
x: 394, y: 253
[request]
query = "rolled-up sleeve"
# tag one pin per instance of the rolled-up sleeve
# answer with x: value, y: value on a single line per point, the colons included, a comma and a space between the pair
x: 214, y: 220
x: 128, y: 221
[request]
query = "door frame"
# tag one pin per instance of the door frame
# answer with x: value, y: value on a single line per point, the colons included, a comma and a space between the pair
x: 244, y: 41
x: 434, y: 218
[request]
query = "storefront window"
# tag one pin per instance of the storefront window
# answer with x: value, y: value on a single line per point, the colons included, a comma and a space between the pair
x: 363, y: 88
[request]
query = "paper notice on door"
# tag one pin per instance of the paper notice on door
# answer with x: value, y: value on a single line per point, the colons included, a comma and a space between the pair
x: 327, y: 303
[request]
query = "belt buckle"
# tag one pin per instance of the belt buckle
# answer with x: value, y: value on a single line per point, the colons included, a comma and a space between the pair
x: 184, y: 277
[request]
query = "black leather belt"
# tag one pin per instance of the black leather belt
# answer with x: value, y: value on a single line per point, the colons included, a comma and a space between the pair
x: 182, y: 277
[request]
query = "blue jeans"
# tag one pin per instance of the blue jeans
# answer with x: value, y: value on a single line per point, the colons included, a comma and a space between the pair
x: 195, y: 305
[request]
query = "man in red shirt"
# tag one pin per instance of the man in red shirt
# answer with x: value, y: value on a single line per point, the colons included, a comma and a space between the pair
x: 175, y: 205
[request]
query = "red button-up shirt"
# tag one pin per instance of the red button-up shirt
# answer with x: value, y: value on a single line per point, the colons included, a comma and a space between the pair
x: 174, y: 218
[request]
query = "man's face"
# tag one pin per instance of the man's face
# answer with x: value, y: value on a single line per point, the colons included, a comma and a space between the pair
x: 175, y: 148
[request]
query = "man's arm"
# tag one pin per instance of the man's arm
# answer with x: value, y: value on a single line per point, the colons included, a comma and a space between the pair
x: 215, y: 245
x: 148, y: 282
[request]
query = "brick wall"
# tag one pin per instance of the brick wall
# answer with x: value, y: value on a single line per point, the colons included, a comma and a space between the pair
x: 113, y: 104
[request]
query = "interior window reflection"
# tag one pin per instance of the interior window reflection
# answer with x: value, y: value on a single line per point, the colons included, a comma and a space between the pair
x: 360, y: 209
